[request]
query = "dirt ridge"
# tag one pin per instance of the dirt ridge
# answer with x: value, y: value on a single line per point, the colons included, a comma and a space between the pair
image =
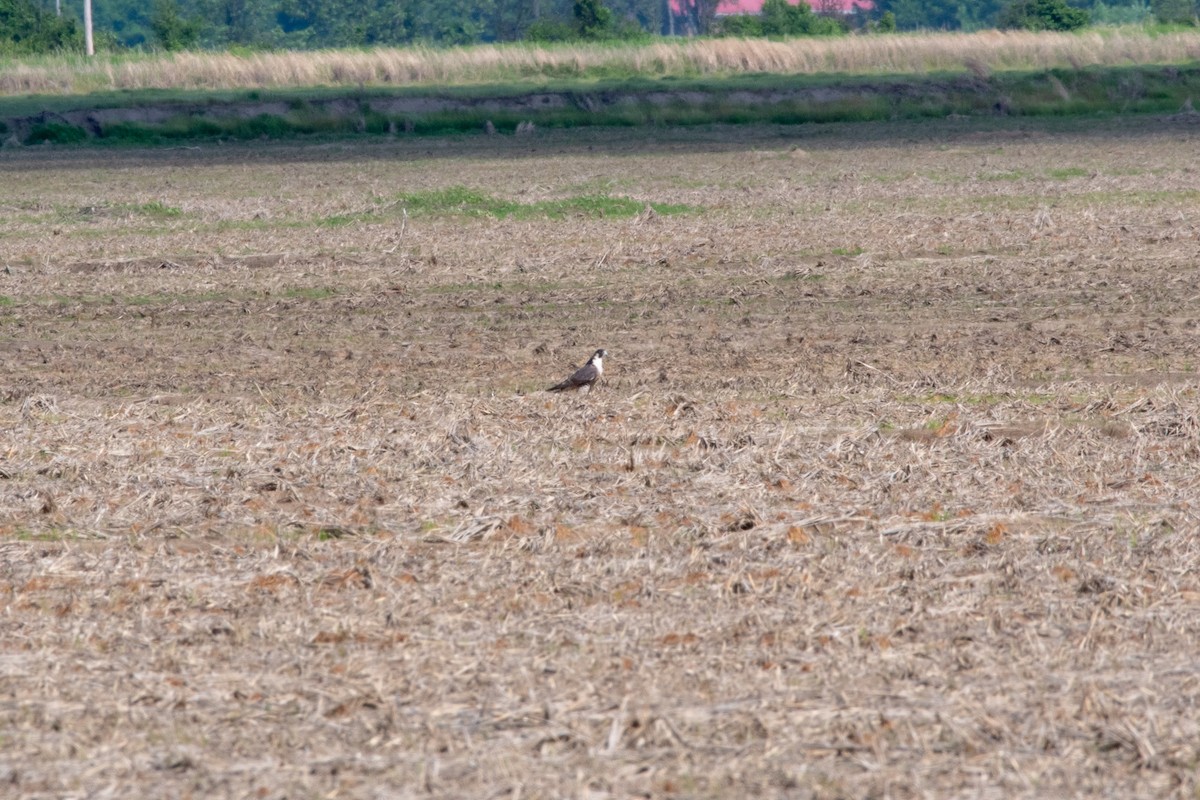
x: 93, y: 120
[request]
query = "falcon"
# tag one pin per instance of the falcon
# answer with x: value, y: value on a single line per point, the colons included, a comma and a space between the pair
x: 585, y: 376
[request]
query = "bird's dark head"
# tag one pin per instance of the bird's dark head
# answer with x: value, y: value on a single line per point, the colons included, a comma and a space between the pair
x: 599, y: 355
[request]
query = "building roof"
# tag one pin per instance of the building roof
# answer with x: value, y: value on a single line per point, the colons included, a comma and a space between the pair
x: 730, y: 7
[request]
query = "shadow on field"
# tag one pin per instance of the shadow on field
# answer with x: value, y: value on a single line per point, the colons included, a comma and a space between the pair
x: 604, y: 141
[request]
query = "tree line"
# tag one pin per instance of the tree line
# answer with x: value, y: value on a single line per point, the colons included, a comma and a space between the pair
x: 33, y: 26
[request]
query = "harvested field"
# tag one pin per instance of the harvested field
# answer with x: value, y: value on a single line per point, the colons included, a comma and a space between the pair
x: 890, y: 489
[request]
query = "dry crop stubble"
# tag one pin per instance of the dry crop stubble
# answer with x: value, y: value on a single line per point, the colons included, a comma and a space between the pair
x: 889, y: 487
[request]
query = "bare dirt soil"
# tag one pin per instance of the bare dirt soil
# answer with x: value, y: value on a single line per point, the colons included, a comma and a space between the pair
x: 890, y: 489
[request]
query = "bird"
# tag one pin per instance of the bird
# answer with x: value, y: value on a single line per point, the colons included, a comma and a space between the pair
x: 585, y: 376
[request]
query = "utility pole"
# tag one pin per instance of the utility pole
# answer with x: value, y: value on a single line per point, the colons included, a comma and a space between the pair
x: 87, y: 27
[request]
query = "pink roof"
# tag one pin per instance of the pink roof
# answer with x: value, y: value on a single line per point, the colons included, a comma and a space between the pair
x: 727, y: 7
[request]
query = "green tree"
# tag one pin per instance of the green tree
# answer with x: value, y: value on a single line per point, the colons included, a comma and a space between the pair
x: 593, y: 20
x: 173, y: 31
x: 922, y: 14
x: 746, y: 26
x: 979, y: 14
x: 637, y: 16
x: 781, y: 18
x: 241, y: 22
x: 25, y: 28
x: 550, y: 29
x: 510, y: 19
x: 128, y: 20
x: 1136, y: 13
x: 1174, y: 12
x: 1043, y: 15
x: 334, y: 23
x: 450, y: 21
x: 696, y: 17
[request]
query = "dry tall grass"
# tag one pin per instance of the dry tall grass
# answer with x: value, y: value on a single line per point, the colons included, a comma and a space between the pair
x: 916, y: 53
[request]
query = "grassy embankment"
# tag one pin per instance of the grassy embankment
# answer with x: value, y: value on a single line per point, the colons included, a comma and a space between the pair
x: 667, y: 82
